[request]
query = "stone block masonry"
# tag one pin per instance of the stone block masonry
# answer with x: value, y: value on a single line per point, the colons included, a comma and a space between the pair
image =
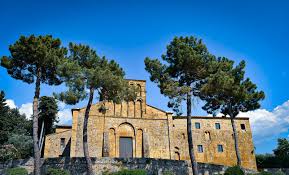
x: 136, y: 129
x: 77, y: 166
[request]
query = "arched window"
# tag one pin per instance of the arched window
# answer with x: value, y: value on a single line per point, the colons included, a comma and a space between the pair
x: 207, y: 135
x: 139, y: 90
x: 177, y: 155
x: 112, y: 144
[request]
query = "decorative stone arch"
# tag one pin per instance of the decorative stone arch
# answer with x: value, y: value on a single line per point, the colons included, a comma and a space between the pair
x: 207, y: 135
x: 138, y: 108
x: 125, y: 130
x: 139, y: 90
x: 177, y: 155
x: 139, y: 143
x: 112, y: 142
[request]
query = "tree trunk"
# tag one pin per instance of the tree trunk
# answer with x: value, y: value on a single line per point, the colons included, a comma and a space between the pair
x: 41, y: 138
x: 41, y: 135
x: 235, y: 135
x: 190, y: 135
x: 85, y: 144
x: 35, y: 126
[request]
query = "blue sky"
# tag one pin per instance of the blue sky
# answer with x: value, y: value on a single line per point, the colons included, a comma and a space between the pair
x: 128, y: 31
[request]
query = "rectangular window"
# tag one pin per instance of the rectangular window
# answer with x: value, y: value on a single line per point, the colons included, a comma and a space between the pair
x: 220, y: 148
x: 200, y: 148
x: 198, y: 125
x: 243, y: 126
x: 218, y: 125
x: 62, y: 144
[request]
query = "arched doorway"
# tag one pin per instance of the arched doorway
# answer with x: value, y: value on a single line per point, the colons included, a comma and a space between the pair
x: 126, y: 140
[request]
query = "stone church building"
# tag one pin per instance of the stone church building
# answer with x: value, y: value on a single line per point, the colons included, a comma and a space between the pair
x: 136, y: 129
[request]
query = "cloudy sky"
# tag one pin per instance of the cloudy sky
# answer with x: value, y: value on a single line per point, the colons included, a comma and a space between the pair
x: 128, y: 31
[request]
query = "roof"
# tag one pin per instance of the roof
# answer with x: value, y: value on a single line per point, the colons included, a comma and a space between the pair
x: 208, y: 117
x: 135, y: 80
x: 63, y: 126
x: 157, y: 108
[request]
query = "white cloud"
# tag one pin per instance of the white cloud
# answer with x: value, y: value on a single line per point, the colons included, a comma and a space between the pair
x: 61, y: 105
x: 26, y: 109
x: 64, y: 116
x: 267, y: 125
x: 10, y: 103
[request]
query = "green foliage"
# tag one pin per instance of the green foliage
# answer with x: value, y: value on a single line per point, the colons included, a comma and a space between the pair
x: 15, y: 133
x: 12, y: 122
x: 8, y: 152
x: 34, y: 56
x: 130, y: 172
x: 56, y: 171
x: 268, y: 173
x: 35, y: 59
x: 3, y: 107
x: 187, y: 63
x: 235, y: 170
x: 85, y: 70
x: 23, y: 143
x: 264, y: 173
x: 16, y: 171
x: 279, y: 173
x: 282, y: 151
x: 168, y: 173
x: 185, y: 66
x: 228, y: 91
x: 48, y: 113
x: 267, y: 160
x: 280, y: 159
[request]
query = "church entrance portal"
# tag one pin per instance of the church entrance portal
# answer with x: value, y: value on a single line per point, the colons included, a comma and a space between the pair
x: 125, y: 147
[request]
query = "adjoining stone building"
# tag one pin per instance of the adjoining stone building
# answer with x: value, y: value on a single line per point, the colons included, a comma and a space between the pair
x: 136, y: 129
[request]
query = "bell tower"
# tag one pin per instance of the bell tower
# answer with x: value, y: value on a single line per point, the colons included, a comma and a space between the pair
x: 140, y: 102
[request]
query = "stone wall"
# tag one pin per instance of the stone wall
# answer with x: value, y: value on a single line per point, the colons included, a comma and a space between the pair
x: 25, y: 163
x: 53, y: 146
x: 209, y: 138
x: 77, y: 166
x: 275, y: 170
x: 154, y: 133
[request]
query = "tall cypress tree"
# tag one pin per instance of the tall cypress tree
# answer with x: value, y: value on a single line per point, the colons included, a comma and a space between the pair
x: 47, y: 117
x: 34, y: 59
x: 3, y: 107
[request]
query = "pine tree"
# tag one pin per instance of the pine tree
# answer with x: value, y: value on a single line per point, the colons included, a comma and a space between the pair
x: 187, y: 64
x: 229, y: 92
x: 34, y: 59
x: 84, y: 72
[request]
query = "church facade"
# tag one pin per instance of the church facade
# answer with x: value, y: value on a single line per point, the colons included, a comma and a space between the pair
x: 136, y: 129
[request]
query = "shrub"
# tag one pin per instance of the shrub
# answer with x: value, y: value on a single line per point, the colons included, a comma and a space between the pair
x: 16, y: 171
x: 23, y: 144
x: 235, y: 170
x: 8, y: 152
x: 130, y: 172
x: 168, y: 173
x: 279, y: 173
x: 56, y: 171
x: 264, y: 173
